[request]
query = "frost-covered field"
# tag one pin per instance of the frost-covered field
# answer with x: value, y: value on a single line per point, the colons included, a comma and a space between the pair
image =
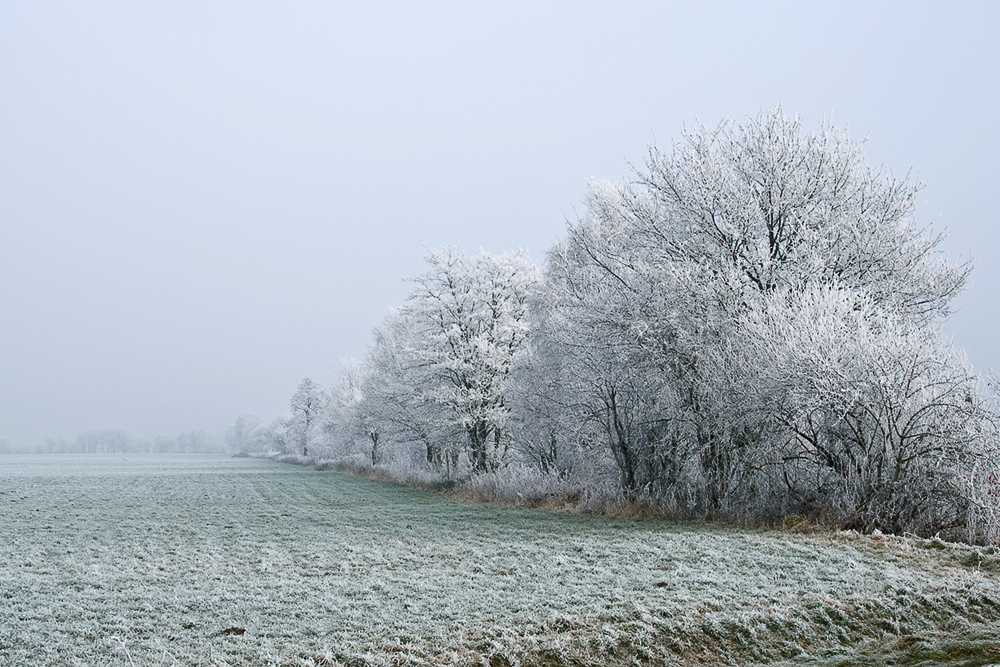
x: 149, y: 560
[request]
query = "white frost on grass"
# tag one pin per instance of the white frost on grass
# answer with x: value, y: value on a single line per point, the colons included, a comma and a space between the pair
x: 150, y: 559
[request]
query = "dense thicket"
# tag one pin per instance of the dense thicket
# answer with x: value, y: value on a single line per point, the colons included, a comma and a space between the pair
x: 749, y: 328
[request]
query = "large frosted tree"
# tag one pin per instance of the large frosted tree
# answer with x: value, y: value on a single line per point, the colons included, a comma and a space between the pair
x: 654, y: 291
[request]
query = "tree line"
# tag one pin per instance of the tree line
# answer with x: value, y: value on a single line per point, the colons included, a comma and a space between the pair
x: 750, y: 327
x: 122, y: 441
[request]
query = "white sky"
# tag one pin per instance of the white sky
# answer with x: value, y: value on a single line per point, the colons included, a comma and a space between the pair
x: 203, y: 203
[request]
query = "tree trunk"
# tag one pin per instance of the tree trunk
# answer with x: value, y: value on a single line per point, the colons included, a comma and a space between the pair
x: 479, y: 434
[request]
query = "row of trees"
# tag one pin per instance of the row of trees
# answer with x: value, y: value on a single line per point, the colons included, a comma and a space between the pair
x: 123, y: 441
x: 750, y: 327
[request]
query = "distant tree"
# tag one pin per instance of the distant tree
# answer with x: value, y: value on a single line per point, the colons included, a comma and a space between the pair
x: 350, y: 422
x: 59, y: 445
x: 273, y: 437
x: 239, y: 436
x: 163, y: 444
x: 196, y: 441
x: 392, y: 401
x: 308, y: 405
x: 108, y: 441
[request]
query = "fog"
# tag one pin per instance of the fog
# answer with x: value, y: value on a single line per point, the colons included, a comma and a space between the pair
x: 203, y: 203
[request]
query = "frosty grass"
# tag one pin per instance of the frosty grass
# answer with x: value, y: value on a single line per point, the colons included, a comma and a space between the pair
x: 150, y: 560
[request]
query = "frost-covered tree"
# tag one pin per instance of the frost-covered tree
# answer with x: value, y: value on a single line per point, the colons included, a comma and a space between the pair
x: 392, y: 402
x: 445, y: 355
x: 308, y: 405
x: 768, y: 206
x: 652, y: 289
x: 351, y: 422
x: 196, y: 440
x: 544, y: 428
x: 239, y: 436
x: 867, y: 418
x: 109, y: 440
x: 273, y: 437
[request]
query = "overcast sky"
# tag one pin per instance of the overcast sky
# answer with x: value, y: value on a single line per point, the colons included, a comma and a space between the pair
x: 201, y: 203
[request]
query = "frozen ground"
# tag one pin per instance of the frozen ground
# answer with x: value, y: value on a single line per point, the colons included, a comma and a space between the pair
x: 149, y: 560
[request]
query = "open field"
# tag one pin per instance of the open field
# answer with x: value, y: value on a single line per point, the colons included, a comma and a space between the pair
x: 149, y: 560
